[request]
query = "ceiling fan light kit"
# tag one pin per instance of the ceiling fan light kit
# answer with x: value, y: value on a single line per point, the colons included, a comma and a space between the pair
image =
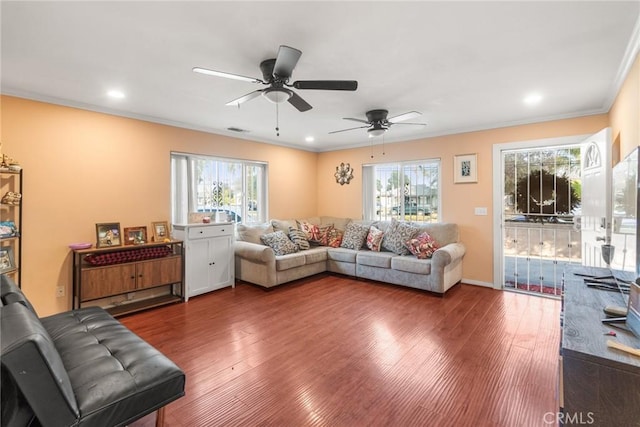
x: 277, y: 95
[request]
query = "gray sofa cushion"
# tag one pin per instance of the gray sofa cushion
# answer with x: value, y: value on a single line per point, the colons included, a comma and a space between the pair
x: 315, y: 255
x: 375, y: 259
x: 342, y: 254
x: 286, y: 262
x: 411, y: 264
x: 252, y: 233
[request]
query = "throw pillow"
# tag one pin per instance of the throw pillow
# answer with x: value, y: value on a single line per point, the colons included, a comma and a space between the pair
x: 299, y: 238
x: 354, y: 236
x: 374, y: 239
x: 323, y: 234
x: 422, y: 246
x: 279, y: 242
x: 311, y: 230
x: 335, y: 238
x: 397, y: 234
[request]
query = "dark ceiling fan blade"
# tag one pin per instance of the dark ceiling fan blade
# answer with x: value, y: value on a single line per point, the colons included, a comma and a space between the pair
x: 245, y: 98
x: 299, y: 103
x: 326, y: 84
x: 226, y: 75
x: 405, y: 116
x: 286, y: 61
x: 344, y: 130
x: 355, y: 120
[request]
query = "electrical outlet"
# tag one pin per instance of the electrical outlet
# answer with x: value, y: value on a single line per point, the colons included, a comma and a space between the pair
x: 60, y: 291
x: 130, y: 296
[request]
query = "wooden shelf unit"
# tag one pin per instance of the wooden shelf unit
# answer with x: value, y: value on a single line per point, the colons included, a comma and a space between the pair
x: 12, y: 181
x: 101, y: 284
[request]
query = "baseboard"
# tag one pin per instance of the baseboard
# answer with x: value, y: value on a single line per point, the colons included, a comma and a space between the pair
x: 477, y: 283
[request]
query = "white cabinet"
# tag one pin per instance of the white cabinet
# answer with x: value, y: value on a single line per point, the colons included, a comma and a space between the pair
x: 209, y: 259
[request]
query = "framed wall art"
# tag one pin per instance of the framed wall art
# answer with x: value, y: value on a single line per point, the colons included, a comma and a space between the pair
x: 108, y: 234
x: 465, y: 168
x: 160, y: 231
x: 135, y: 235
x: 7, y: 262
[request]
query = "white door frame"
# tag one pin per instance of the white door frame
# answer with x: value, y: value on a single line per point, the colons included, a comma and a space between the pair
x: 498, y: 189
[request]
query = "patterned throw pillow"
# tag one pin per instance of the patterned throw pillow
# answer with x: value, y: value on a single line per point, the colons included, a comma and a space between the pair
x: 354, y: 236
x: 374, y: 239
x: 397, y: 234
x: 335, y: 238
x: 299, y: 238
x: 323, y: 234
x: 422, y: 246
x: 310, y: 230
x: 279, y: 242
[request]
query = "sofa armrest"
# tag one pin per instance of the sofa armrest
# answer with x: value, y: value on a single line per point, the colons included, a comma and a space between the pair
x: 447, y: 254
x: 254, y: 252
x: 34, y: 364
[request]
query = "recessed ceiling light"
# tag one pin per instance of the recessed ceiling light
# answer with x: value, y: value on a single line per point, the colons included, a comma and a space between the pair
x: 532, y: 99
x: 116, y: 94
x: 309, y: 139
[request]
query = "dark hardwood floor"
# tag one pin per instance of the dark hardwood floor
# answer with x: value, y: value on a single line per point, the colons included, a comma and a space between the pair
x: 334, y: 351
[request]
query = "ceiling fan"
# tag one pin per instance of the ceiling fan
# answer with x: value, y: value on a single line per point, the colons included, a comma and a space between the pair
x: 378, y: 123
x: 276, y: 73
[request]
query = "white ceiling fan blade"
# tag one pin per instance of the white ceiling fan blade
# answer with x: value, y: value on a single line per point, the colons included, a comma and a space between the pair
x: 226, y: 75
x: 245, y: 98
x: 405, y: 116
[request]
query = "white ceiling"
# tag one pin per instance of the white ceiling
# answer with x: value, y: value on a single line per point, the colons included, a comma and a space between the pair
x: 464, y: 65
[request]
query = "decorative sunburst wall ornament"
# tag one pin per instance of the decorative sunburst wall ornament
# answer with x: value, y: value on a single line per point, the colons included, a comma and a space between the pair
x: 344, y: 173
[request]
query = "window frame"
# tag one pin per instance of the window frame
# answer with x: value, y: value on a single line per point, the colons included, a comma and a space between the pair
x: 184, y: 191
x: 373, y: 210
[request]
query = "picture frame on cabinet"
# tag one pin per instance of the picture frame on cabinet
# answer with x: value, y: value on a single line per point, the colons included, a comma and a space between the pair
x: 7, y: 261
x: 135, y: 235
x: 465, y: 168
x: 108, y: 234
x: 160, y: 231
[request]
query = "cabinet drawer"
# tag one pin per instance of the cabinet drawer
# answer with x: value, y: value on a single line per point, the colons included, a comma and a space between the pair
x: 210, y: 231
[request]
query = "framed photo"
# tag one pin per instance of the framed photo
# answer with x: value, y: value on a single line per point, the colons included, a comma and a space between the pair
x: 465, y: 168
x: 108, y: 234
x: 7, y: 262
x: 135, y: 235
x: 160, y: 231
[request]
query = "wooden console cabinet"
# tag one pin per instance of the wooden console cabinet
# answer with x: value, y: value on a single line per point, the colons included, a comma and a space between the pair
x: 94, y: 284
x: 598, y: 385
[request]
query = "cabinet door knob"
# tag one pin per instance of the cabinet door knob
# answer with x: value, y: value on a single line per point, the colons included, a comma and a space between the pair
x: 133, y: 277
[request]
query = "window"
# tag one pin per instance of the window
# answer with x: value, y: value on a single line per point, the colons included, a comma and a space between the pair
x: 406, y: 190
x: 203, y: 184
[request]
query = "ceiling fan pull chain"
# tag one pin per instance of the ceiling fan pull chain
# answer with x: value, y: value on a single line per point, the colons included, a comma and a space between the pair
x: 277, y: 121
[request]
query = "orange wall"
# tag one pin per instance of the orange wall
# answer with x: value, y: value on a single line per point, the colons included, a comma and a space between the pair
x: 458, y: 200
x: 82, y: 168
x: 625, y: 112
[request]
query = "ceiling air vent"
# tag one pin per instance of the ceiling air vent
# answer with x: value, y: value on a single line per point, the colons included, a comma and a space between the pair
x: 235, y: 129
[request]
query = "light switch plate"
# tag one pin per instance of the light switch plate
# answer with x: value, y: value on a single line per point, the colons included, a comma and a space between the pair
x: 481, y: 211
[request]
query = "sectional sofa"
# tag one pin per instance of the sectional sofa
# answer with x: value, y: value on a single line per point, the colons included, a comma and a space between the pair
x: 258, y: 263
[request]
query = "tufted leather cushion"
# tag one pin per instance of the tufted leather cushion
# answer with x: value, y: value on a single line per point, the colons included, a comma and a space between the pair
x: 114, y: 373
